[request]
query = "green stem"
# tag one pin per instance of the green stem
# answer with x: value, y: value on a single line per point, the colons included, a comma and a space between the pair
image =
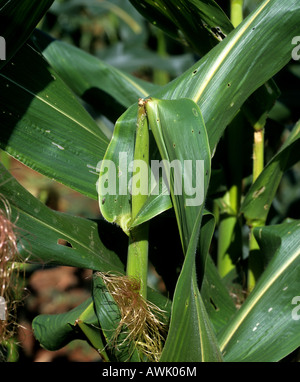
x: 161, y: 77
x: 254, y: 262
x: 229, y: 245
x: 236, y: 12
x: 137, y: 258
x: 258, y: 153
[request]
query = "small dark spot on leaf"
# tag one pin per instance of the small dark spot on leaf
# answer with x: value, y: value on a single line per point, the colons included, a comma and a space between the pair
x: 217, y: 31
x: 64, y: 243
x: 213, y: 304
x: 103, y: 200
x: 229, y: 84
x: 195, y: 72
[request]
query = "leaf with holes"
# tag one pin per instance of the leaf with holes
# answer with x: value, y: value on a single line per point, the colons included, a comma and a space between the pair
x: 54, y: 237
x: 203, y: 24
x: 219, y: 83
x: 39, y: 111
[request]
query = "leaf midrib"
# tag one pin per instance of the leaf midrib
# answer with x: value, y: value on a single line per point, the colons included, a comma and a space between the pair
x: 224, y: 53
x: 55, y: 108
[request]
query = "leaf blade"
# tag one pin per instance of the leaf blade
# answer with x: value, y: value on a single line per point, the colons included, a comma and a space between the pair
x: 264, y: 328
x: 109, y: 90
x: 223, y: 79
x: 198, y: 21
x: 167, y: 119
x: 17, y: 22
x: 38, y: 107
x: 41, y: 229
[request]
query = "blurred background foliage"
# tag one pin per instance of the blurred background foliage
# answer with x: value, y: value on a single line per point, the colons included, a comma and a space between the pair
x: 116, y: 33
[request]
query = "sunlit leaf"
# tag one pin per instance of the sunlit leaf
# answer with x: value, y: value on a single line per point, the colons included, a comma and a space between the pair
x: 167, y: 119
x: 266, y: 328
x: 45, y: 127
x: 107, y: 89
x: 53, y: 237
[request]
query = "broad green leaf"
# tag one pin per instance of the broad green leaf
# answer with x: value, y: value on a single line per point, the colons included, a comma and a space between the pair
x: 17, y: 21
x: 216, y: 298
x: 54, y: 331
x: 266, y: 328
x: 115, y: 204
x: 180, y: 134
x: 157, y: 204
x: 258, y: 200
x: 45, y: 127
x: 217, y: 301
x: 223, y: 79
x: 191, y: 337
x: 117, y: 207
x: 167, y: 120
x: 250, y: 5
x: 154, y: 205
x: 109, y: 90
x: 202, y: 23
x: 219, y: 83
x: 43, y: 232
